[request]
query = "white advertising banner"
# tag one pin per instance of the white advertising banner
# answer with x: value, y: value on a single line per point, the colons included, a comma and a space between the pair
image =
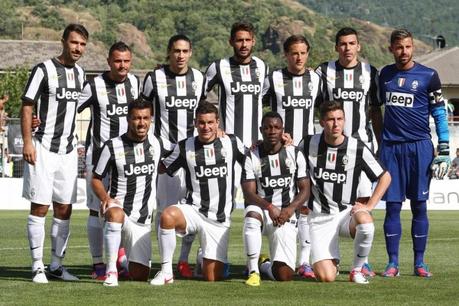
x: 444, y: 195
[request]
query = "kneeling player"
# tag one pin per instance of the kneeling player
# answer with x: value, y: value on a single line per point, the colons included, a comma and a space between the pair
x: 208, y: 162
x: 131, y: 160
x: 271, y: 175
x: 335, y: 163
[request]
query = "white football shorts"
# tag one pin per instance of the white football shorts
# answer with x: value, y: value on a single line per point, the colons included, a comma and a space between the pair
x: 213, y: 236
x: 282, y: 240
x: 136, y: 239
x: 325, y: 231
x: 53, y: 178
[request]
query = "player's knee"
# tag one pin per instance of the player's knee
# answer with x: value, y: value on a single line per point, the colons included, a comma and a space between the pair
x: 39, y: 210
x: 138, y: 272
x: 212, y: 270
x: 62, y: 211
x: 325, y: 270
x: 362, y: 217
x: 169, y: 217
x: 325, y: 276
x: 114, y: 214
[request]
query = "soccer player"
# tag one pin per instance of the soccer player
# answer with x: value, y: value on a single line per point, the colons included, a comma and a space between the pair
x: 335, y: 163
x: 293, y: 92
x: 240, y: 78
x: 208, y: 161
x: 108, y: 96
x: 50, y: 174
x: 131, y: 160
x: 175, y: 90
x: 355, y: 84
x: 271, y: 176
x: 411, y: 93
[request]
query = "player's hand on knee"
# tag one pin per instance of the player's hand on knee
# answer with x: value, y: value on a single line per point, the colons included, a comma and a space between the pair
x: 358, y: 206
x: 285, y: 215
x: 274, y: 213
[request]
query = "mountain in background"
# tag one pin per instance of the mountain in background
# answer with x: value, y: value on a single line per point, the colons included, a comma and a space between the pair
x: 147, y: 25
x: 426, y: 19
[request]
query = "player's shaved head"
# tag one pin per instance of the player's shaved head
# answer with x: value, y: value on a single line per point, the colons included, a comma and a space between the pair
x: 118, y: 46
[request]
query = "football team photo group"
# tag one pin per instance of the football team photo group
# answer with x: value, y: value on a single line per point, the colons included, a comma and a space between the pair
x: 163, y: 160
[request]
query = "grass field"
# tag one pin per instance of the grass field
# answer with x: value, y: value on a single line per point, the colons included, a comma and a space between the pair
x: 16, y: 287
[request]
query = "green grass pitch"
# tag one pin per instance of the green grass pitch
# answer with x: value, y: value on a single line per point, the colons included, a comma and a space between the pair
x: 442, y: 255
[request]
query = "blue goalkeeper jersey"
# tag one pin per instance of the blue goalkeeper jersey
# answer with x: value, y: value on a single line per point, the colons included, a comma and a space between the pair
x: 409, y: 97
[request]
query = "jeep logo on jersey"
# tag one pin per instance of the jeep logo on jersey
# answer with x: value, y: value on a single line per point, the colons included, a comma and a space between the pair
x: 329, y: 176
x: 399, y: 99
x: 67, y: 94
x: 292, y: 102
x: 185, y: 102
x: 117, y: 110
x: 344, y: 94
x: 212, y: 171
x: 249, y: 88
x: 276, y: 182
x: 145, y: 168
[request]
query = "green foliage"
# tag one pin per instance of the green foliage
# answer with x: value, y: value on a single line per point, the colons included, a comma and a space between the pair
x: 12, y: 83
x: 10, y: 25
x: 49, y: 17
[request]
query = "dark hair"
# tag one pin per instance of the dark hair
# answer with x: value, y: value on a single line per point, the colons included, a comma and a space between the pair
x: 295, y: 39
x: 118, y: 46
x: 139, y: 103
x: 400, y: 34
x: 329, y: 106
x: 241, y: 26
x: 75, y: 27
x: 175, y: 38
x: 205, y: 107
x: 272, y: 115
x: 345, y: 32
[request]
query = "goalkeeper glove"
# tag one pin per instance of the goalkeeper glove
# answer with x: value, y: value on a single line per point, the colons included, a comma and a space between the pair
x: 441, y: 162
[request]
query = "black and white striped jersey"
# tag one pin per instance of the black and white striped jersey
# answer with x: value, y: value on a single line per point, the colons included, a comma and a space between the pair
x: 133, y: 169
x: 294, y: 98
x: 335, y: 172
x: 240, y: 96
x: 276, y: 175
x: 357, y: 89
x: 108, y: 101
x: 54, y: 89
x: 175, y: 99
x: 209, y: 174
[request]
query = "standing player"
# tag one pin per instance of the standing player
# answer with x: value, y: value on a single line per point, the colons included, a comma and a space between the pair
x: 335, y: 163
x: 411, y: 92
x: 271, y: 176
x: 240, y: 79
x: 50, y: 174
x: 131, y: 160
x: 208, y: 162
x: 293, y: 92
x: 175, y: 91
x: 355, y: 84
x: 108, y: 96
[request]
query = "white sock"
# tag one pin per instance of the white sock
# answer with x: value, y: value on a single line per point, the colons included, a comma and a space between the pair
x: 265, y: 268
x: 60, y: 232
x: 95, y: 229
x: 167, y: 242
x: 36, y: 235
x: 305, y: 239
x: 112, y: 236
x: 187, y: 242
x: 362, y: 244
x: 252, y: 242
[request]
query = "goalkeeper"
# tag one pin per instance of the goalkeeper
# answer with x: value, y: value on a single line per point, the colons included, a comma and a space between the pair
x: 411, y: 93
